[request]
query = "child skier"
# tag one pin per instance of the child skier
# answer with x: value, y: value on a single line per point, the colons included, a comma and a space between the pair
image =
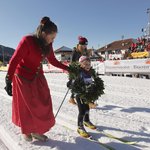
x: 83, y: 107
x: 87, y: 87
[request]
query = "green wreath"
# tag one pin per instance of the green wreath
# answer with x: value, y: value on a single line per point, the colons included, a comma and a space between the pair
x: 89, y: 93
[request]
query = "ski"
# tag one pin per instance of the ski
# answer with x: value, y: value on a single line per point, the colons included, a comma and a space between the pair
x: 91, y: 139
x: 112, y: 136
x: 116, y: 138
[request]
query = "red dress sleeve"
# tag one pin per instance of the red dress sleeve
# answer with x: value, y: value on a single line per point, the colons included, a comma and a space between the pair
x: 51, y: 58
x: 19, y: 54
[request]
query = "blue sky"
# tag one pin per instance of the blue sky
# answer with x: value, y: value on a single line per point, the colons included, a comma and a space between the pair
x: 101, y: 21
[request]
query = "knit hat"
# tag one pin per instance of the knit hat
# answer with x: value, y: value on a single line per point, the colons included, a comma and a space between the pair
x: 82, y: 40
x: 83, y: 58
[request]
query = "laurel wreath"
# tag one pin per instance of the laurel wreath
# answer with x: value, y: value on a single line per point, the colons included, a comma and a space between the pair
x: 90, y: 92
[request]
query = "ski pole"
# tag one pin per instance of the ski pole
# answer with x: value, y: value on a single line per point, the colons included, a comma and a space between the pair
x: 61, y: 103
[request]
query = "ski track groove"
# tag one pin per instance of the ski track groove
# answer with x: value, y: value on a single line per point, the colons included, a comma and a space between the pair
x: 111, y: 110
x: 109, y: 114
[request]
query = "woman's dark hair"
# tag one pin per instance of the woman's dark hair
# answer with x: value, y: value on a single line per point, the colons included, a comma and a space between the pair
x: 47, y: 26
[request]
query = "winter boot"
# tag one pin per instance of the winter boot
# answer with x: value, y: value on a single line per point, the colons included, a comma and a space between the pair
x: 92, y: 105
x: 27, y: 137
x: 89, y: 124
x: 40, y: 137
x: 83, y: 132
x: 72, y: 101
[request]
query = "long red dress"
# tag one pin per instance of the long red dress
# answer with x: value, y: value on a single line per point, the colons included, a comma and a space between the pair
x: 32, y: 105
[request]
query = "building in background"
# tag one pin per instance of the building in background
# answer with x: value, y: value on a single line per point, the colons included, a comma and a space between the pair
x: 116, y: 50
x: 63, y: 53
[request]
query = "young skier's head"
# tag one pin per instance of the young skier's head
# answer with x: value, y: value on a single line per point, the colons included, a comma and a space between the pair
x: 85, y: 63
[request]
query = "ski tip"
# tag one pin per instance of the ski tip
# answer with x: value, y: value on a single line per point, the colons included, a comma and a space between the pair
x: 131, y: 143
x: 91, y: 138
x: 86, y: 137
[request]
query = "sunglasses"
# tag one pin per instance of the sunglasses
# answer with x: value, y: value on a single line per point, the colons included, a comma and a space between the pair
x: 83, y: 44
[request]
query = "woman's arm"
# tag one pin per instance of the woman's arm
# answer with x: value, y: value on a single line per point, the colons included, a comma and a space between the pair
x: 20, y: 52
x: 51, y: 58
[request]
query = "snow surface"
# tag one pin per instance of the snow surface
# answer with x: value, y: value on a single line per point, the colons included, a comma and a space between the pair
x: 124, y: 111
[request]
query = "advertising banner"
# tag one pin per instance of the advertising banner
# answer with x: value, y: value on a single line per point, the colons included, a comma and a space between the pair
x: 128, y: 66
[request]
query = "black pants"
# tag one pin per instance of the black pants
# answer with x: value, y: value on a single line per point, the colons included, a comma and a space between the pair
x: 83, y: 111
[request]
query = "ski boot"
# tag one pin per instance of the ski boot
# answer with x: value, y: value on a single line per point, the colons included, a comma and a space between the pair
x: 92, y: 105
x: 27, y: 137
x: 83, y: 132
x: 72, y: 101
x: 40, y: 137
x: 89, y: 124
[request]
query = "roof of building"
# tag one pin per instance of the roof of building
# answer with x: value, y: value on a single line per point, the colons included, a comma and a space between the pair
x: 117, y: 45
x: 63, y: 49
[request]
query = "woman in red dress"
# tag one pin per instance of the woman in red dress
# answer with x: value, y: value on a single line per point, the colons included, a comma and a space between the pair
x: 32, y: 105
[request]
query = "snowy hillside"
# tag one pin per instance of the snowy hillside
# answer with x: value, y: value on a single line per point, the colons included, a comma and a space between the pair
x: 124, y: 111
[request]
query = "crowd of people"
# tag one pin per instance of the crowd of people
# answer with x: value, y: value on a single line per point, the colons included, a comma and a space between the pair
x: 141, y: 45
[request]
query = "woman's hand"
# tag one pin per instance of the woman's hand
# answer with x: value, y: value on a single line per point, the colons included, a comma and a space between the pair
x: 8, y: 86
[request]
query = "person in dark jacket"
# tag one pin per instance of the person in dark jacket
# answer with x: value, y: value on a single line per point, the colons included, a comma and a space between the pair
x: 79, y: 51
